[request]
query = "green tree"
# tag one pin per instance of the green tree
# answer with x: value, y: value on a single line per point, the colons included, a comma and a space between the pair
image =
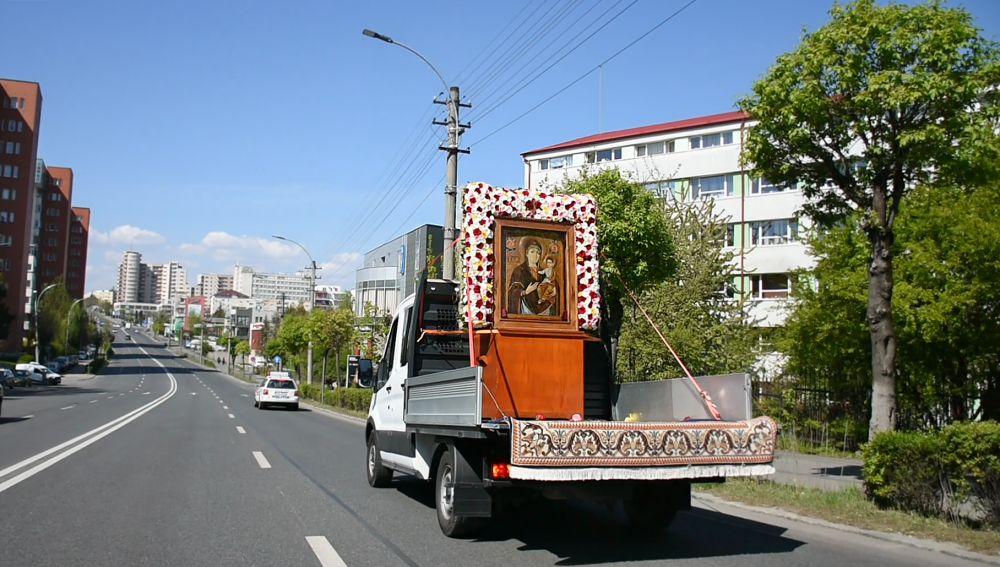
x: 696, y: 308
x: 432, y: 271
x: 374, y: 330
x: 242, y: 348
x: 947, y: 289
x: 879, y: 99
x: 634, y: 239
x: 160, y: 322
x: 219, y: 314
x: 331, y: 331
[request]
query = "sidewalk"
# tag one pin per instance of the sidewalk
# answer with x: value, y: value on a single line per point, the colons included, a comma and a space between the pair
x: 817, y: 471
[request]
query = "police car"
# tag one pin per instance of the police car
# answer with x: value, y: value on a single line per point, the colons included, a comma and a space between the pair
x: 278, y: 389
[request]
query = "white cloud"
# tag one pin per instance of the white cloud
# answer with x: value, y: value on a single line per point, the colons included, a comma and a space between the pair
x: 339, y: 269
x: 126, y: 234
x: 225, y: 247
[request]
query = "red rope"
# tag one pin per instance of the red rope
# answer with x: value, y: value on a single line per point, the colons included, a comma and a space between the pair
x: 704, y: 395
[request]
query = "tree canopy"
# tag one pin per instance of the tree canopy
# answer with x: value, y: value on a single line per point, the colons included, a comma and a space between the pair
x: 878, y: 100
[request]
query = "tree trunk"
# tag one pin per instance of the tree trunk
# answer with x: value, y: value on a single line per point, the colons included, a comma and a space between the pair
x: 883, y: 332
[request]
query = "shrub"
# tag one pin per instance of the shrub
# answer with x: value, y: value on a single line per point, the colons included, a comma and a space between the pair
x: 357, y: 399
x: 110, y: 352
x: 209, y: 364
x: 25, y: 358
x: 96, y: 365
x: 934, y: 473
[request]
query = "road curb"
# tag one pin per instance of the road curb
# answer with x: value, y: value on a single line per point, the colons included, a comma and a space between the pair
x: 331, y: 413
x: 950, y: 549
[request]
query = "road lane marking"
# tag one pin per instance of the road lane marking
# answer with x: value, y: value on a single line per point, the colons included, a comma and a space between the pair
x: 88, y: 438
x: 327, y: 555
x: 231, y: 416
x: 145, y: 393
x: 194, y: 393
x: 66, y: 408
x: 220, y: 401
x: 25, y: 417
x: 94, y: 401
x: 261, y: 460
x: 111, y: 397
x: 225, y: 407
x: 121, y: 394
x: 241, y: 430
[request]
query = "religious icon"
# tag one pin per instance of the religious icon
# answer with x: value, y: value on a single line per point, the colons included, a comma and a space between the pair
x: 534, y: 271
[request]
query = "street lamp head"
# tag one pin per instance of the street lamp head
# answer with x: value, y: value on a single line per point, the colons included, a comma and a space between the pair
x: 377, y: 35
x: 278, y: 237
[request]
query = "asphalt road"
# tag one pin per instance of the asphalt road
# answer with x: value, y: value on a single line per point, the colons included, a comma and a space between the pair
x: 159, y: 462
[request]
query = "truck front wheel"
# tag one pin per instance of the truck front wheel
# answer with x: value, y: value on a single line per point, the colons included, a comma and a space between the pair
x: 452, y: 525
x: 379, y: 476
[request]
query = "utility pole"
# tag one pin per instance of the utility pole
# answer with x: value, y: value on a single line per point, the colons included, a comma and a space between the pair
x: 455, y: 130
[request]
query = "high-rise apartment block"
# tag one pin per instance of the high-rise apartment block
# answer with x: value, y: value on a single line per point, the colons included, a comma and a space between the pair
x: 139, y: 282
x: 37, y: 244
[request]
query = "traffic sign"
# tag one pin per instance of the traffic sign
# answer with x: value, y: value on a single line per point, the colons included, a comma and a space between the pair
x: 277, y: 359
x: 253, y: 359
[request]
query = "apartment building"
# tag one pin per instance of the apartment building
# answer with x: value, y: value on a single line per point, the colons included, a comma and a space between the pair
x: 211, y: 284
x: 20, y: 120
x: 695, y: 159
x: 53, y: 246
x: 132, y: 281
x: 290, y: 289
x: 103, y: 295
x: 169, y: 280
x: 79, y: 238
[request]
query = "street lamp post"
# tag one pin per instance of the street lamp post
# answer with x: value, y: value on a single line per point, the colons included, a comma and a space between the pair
x: 38, y: 300
x: 68, y: 315
x: 312, y: 302
x: 455, y: 130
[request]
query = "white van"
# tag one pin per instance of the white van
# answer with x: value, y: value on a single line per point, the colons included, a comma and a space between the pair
x: 40, y: 373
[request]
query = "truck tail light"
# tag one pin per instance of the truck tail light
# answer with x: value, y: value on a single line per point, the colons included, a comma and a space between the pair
x: 501, y: 471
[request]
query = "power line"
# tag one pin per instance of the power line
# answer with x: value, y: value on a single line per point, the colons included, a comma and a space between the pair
x: 485, y: 47
x: 487, y: 111
x: 546, y: 26
x: 581, y: 77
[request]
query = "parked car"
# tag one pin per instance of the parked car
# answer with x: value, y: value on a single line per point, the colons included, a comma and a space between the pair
x: 22, y: 378
x: 7, y: 378
x: 40, y: 374
x: 1, y: 400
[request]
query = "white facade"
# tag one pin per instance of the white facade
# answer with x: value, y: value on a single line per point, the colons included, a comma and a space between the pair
x: 169, y: 281
x: 104, y: 295
x: 132, y: 278
x: 292, y: 289
x: 211, y: 284
x: 696, y: 159
x: 243, y: 279
x: 329, y: 296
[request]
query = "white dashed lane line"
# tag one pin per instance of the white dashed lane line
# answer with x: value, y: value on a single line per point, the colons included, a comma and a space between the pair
x: 241, y: 430
x: 67, y: 407
x: 327, y: 555
x: 94, y: 401
x: 261, y: 460
x: 231, y: 416
x: 225, y: 407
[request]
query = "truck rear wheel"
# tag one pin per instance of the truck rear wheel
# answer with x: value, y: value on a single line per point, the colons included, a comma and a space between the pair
x: 379, y: 476
x: 452, y: 525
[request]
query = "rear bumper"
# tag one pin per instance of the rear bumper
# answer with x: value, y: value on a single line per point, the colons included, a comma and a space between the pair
x: 279, y: 401
x: 607, y: 450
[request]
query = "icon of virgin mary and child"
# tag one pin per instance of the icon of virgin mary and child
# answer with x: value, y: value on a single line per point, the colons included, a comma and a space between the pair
x: 532, y: 289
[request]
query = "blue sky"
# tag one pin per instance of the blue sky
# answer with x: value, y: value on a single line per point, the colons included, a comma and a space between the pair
x: 196, y: 130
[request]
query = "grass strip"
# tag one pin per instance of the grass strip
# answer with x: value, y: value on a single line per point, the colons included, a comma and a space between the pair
x: 849, y: 506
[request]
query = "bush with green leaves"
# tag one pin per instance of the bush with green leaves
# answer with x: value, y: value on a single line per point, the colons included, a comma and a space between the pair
x: 357, y: 399
x: 935, y: 473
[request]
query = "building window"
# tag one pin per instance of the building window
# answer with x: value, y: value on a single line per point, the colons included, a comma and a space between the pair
x: 770, y: 233
x: 9, y: 147
x: 730, y: 235
x: 5, y: 264
x: 713, y: 187
x: 770, y: 286
x: 55, y: 196
x: 78, y: 218
x: 655, y: 148
x: 51, y: 241
x: 556, y: 163
x: 50, y: 257
x: 52, y: 227
x: 75, y: 252
x: 604, y: 155
x: 6, y: 240
x: 52, y: 212
x: 762, y: 186
x: 8, y: 170
x: 74, y: 263
x: 77, y: 229
x: 6, y: 102
x: 711, y: 140
x: 76, y: 240
x: 20, y: 125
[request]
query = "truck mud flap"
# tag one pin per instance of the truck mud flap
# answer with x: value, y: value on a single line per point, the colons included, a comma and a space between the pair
x: 471, y: 498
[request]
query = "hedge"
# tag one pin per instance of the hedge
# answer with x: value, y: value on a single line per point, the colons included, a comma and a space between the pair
x: 96, y: 365
x: 935, y: 473
x: 357, y: 399
x: 26, y: 358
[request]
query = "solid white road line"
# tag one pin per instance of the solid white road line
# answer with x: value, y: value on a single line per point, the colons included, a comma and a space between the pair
x: 241, y: 430
x: 94, y: 436
x: 231, y: 416
x: 327, y: 555
x: 261, y: 460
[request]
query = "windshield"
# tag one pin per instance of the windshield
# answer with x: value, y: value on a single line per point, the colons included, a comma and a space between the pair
x: 281, y: 384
